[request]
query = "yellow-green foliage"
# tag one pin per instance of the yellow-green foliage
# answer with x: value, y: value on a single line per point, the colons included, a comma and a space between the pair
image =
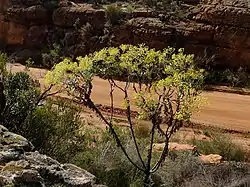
x: 168, y: 73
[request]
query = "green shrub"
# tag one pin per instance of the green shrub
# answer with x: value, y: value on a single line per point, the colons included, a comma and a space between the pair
x: 55, y: 130
x: 239, y: 78
x: 186, y: 171
x: 22, y: 95
x: 222, y: 145
x: 53, y: 127
x: 207, y: 133
x: 52, y: 57
x: 113, y: 14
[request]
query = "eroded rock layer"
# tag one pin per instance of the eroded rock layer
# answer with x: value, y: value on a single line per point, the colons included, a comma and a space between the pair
x: 216, y: 28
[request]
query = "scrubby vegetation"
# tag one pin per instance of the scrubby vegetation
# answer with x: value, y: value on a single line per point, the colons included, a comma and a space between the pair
x: 166, y: 101
x: 113, y: 14
x: 222, y: 145
x: 171, y: 94
x: 166, y: 87
x: 233, y: 78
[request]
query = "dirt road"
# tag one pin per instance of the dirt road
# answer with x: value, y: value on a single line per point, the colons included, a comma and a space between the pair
x: 224, y: 110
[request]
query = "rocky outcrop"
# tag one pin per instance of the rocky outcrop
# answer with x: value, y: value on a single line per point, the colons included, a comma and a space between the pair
x: 216, y: 28
x: 173, y: 146
x: 19, y: 166
x: 177, y: 147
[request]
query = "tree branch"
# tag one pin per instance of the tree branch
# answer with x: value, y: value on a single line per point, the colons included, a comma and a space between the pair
x: 111, y: 99
x: 128, y: 111
x: 92, y: 106
x: 151, y: 145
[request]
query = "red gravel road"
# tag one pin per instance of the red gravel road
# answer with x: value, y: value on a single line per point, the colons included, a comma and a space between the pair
x: 224, y: 110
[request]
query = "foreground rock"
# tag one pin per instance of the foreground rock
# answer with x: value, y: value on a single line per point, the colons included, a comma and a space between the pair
x: 22, y: 167
x: 211, y: 159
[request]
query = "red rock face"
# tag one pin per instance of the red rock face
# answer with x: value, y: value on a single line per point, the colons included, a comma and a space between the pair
x: 11, y: 32
x: 219, y: 27
x: 2, y: 24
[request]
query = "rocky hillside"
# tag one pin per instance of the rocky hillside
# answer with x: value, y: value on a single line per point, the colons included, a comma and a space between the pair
x: 19, y: 166
x: 218, y: 28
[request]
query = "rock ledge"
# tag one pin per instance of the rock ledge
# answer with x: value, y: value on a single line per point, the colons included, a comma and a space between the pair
x: 20, y: 166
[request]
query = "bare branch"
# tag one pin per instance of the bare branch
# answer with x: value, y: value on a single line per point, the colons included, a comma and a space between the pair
x: 128, y: 111
x: 172, y: 127
x: 151, y: 144
x: 162, y: 157
x: 111, y: 99
x: 117, y: 85
x: 45, y: 94
x: 92, y: 106
x: 134, y: 87
x: 127, y: 84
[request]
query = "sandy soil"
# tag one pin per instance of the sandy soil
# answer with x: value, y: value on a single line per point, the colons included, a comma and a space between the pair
x: 224, y: 110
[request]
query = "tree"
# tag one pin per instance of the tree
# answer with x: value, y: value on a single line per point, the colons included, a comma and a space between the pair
x: 166, y: 86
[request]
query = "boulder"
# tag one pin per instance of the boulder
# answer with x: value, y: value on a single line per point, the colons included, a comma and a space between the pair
x: 20, y: 166
x: 173, y: 146
x: 211, y: 159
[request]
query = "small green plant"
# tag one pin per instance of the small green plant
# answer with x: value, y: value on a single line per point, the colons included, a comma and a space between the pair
x: 130, y: 7
x: 28, y: 63
x: 113, y: 14
x: 52, y: 57
x: 55, y: 129
x: 169, y: 6
x: 207, y: 133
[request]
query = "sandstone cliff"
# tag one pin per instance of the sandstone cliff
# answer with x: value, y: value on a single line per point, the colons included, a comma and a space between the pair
x: 19, y: 166
x: 218, y: 28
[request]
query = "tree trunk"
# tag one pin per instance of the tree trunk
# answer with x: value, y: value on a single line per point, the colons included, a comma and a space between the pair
x: 147, y: 181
